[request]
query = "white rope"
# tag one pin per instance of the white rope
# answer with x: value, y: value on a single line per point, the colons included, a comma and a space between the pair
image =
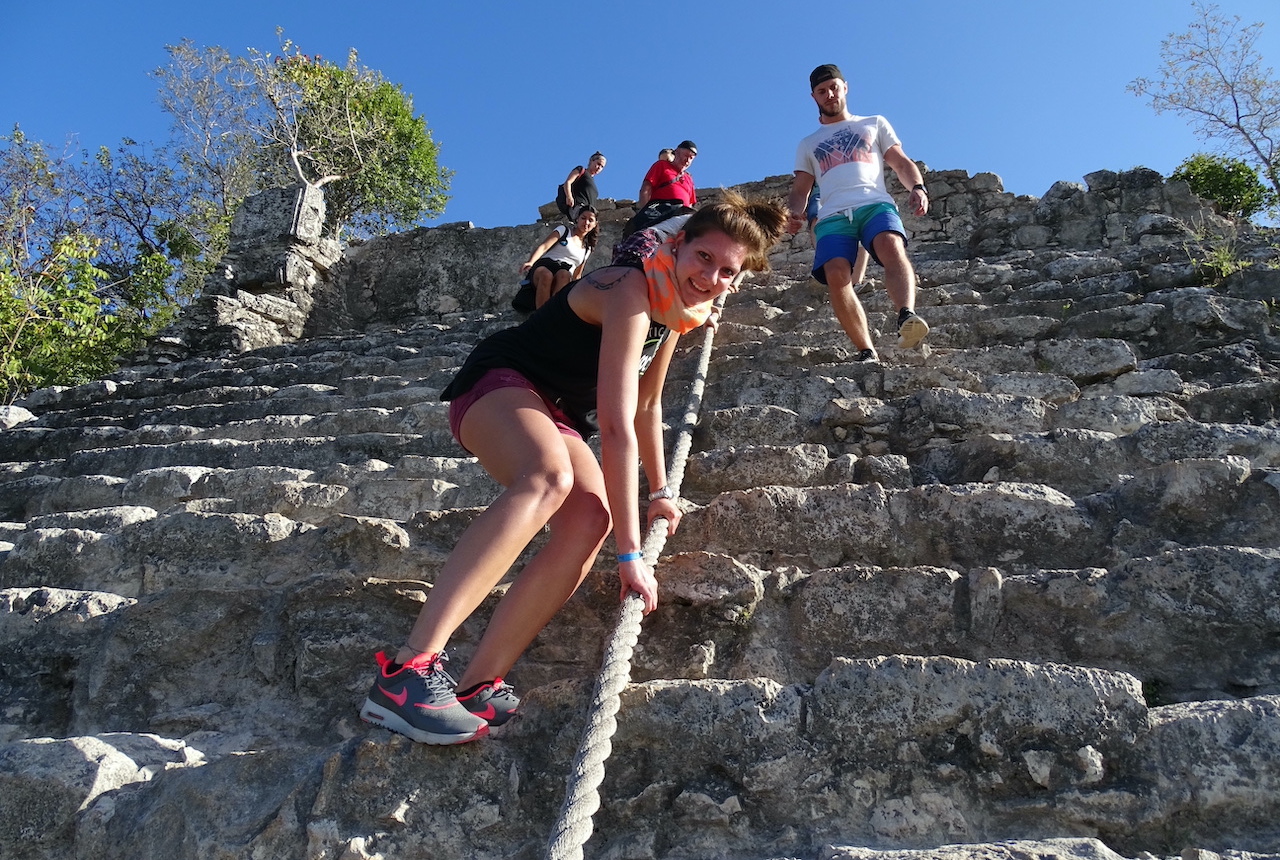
x: 582, y: 797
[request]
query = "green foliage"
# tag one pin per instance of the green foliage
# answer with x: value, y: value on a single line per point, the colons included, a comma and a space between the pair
x: 1213, y: 74
x: 1222, y: 260
x: 64, y: 315
x: 214, y: 153
x: 98, y: 254
x: 352, y: 132
x: 54, y: 327
x: 1230, y: 183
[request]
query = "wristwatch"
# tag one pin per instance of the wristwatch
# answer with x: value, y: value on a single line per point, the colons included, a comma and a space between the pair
x: 920, y: 185
x: 664, y: 493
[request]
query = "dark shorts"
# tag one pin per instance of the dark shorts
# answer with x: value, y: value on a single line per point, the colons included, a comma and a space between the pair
x: 502, y: 377
x: 551, y: 266
x: 839, y: 235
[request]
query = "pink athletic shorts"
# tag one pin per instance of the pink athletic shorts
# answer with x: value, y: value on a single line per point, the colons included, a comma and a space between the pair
x: 502, y: 377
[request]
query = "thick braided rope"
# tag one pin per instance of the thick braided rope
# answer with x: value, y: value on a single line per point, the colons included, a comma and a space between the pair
x: 582, y: 797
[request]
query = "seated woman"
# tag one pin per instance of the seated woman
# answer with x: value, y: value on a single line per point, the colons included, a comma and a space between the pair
x: 524, y: 410
x: 561, y: 256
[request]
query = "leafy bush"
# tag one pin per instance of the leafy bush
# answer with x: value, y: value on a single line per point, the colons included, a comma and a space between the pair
x: 55, y: 329
x: 1230, y: 183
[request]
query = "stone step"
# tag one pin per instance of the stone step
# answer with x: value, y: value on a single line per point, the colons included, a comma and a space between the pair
x: 302, y: 452
x: 1146, y: 618
x: 996, y: 523
x: 405, y: 410
x: 370, y: 488
x: 1080, y: 462
x: 825, y: 414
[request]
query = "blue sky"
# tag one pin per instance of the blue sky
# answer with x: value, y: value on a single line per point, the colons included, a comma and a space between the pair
x: 516, y: 94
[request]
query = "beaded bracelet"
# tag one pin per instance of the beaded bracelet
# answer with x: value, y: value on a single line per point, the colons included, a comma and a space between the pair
x: 631, y: 556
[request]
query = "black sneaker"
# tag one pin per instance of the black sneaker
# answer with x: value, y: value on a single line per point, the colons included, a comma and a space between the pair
x: 495, y: 702
x: 867, y: 355
x: 911, y: 329
x: 417, y: 701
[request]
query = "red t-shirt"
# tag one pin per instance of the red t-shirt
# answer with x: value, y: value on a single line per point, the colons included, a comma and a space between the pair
x: 667, y: 184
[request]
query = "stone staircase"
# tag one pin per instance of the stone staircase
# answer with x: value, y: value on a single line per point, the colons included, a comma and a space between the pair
x: 1020, y: 584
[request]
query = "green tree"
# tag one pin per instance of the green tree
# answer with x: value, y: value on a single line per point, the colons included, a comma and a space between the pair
x: 214, y: 154
x: 67, y: 307
x: 1229, y: 182
x: 1214, y: 75
x: 348, y: 130
x: 57, y: 323
x: 97, y: 255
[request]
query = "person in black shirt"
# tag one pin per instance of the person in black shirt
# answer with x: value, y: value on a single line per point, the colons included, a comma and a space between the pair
x: 594, y: 356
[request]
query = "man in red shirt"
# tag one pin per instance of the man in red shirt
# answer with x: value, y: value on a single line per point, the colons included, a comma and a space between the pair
x: 667, y: 190
x: 670, y: 180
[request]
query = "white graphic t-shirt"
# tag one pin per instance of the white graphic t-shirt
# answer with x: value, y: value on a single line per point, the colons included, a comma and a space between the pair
x: 846, y: 159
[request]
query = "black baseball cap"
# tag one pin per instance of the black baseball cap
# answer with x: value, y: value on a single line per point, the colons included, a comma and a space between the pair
x: 689, y: 145
x: 824, y: 73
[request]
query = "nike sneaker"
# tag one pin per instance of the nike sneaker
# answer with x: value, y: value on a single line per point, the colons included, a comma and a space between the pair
x: 495, y: 702
x: 417, y: 701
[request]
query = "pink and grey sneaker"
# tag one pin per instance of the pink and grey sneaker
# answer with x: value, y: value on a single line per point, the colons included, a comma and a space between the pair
x: 417, y: 701
x: 495, y: 701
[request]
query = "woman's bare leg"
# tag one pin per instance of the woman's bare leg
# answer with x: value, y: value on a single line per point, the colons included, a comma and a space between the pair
x: 542, y: 283
x: 561, y: 279
x: 512, y: 434
x: 578, y: 529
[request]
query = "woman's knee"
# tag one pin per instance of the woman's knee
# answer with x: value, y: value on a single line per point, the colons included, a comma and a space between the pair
x: 584, y: 516
x: 553, y: 484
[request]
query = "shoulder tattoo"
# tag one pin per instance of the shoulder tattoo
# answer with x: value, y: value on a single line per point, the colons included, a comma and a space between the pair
x: 608, y: 277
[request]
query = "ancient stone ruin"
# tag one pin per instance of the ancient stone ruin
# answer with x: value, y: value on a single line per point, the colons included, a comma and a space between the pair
x: 1014, y: 594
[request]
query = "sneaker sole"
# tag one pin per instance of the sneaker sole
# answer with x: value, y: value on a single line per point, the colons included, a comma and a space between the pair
x: 912, y: 332
x: 380, y: 716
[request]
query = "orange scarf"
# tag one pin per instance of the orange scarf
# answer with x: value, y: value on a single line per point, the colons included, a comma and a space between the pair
x: 665, y: 304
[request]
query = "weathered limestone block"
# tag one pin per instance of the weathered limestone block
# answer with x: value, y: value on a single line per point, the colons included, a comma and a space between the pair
x: 1219, y: 770
x: 11, y: 416
x: 1141, y: 383
x: 1076, y: 462
x: 1014, y: 849
x: 22, y: 494
x: 162, y: 487
x: 45, y: 783
x: 1117, y: 414
x: 900, y: 381
x: 828, y: 525
x: 108, y: 520
x: 1086, y: 361
x: 1042, y: 386
x: 903, y: 719
x: 1146, y: 616
x: 43, y: 633
x: 1163, y: 441
x: 958, y: 412
x: 1244, y: 403
x: 1200, y: 317
x: 64, y: 558
x: 1130, y: 321
x: 1174, y: 602
x: 806, y: 395
x: 252, y: 548
x: 973, y: 525
x: 752, y: 425
x: 1261, y: 283
x: 864, y: 612
x: 711, y: 472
